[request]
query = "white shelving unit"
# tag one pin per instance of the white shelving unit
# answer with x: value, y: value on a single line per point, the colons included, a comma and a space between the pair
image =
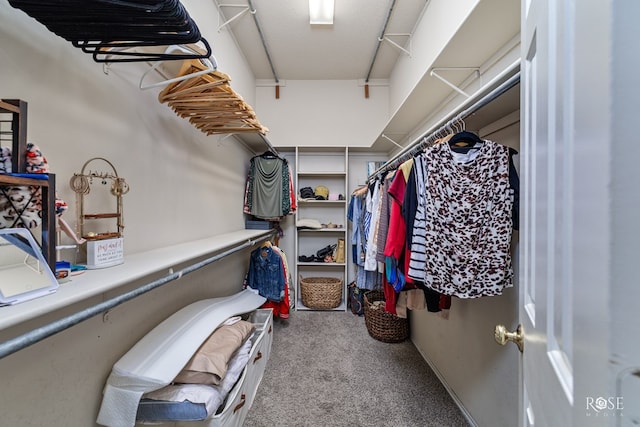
x: 325, y: 166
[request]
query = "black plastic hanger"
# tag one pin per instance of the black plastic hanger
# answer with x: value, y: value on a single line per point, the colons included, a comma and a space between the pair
x: 105, y: 28
x: 464, y: 139
x: 269, y: 155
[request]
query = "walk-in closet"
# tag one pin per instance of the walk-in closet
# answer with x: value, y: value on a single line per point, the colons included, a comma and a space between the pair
x: 320, y: 213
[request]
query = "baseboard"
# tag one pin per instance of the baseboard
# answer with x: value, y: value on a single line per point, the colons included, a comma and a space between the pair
x: 453, y: 395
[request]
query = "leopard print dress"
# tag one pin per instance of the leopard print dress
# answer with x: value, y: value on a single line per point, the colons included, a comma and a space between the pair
x: 468, y: 222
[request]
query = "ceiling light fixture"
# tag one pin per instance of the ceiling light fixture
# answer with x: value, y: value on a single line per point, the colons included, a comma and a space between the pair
x: 321, y: 12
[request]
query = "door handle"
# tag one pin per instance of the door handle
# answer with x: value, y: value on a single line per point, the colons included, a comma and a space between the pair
x: 502, y: 336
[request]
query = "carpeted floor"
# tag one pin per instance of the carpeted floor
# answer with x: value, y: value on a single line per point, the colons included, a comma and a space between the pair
x: 325, y: 370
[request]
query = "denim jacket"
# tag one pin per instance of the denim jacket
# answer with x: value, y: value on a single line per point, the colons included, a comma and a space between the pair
x: 266, y: 273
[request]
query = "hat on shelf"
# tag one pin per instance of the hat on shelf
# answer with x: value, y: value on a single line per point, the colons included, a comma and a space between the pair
x: 308, y: 223
x: 322, y: 192
x: 307, y: 193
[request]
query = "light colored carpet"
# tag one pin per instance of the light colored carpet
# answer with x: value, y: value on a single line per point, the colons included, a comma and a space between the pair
x: 326, y: 370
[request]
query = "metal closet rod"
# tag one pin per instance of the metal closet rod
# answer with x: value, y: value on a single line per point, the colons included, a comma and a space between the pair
x: 264, y: 42
x: 458, y: 114
x: 380, y: 40
x: 38, y: 334
x: 271, y: 147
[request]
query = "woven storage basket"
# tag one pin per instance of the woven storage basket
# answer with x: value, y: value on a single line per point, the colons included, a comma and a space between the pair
x: 383, y: 326
x: 321, y: 292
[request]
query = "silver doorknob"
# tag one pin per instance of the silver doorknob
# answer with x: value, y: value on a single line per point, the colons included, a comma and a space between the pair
x: 502, y: 336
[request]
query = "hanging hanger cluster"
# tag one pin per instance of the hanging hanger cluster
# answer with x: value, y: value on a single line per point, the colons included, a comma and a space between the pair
x: 111, y: 29
x: 455, y: 125
x: 209, y: 102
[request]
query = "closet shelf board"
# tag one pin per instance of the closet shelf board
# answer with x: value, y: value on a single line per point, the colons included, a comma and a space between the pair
x: 341, y: 307
x: 321, y: 264
x: 322, y: 230
x: 321, y: 174
x: 18, y: 180
x: 322, y: 202
x: 102, y: 215
x: 135, y: 266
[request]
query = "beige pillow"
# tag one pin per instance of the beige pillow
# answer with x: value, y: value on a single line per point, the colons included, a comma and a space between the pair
x: 209, y: 364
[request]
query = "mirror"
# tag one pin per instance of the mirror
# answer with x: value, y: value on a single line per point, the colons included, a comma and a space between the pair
x: 24, y: 273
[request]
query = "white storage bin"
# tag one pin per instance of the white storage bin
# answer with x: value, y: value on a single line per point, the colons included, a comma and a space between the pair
x: 155, y: 360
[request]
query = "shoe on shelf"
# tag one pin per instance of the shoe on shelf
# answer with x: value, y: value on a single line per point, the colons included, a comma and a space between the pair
x: 328, y: 250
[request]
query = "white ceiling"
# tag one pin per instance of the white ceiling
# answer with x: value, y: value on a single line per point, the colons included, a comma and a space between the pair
x: 343, y: 51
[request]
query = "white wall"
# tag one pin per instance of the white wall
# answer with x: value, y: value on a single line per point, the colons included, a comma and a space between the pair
x: 184, y: 186
x: 77, y: 112
x: 323, y: 113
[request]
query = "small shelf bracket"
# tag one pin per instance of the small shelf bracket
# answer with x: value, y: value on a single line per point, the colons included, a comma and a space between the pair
x: 434, y: 73
x: 243, y: 9
x: 387, y: 38
x: 391, y: 141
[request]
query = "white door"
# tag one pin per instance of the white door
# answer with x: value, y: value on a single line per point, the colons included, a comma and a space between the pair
x: 563, y: 241
x: 545, y: 302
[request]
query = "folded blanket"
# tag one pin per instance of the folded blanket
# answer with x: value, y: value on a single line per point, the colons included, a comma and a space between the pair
x: 209, y: 364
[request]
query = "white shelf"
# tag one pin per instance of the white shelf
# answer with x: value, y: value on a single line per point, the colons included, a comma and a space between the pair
x: 322, y: 174
x: 322, y: 264
x: 321, y: 166
x: 135, y: 266
x: 341, y: 307
x: 322, y: 202
x: 321, y: 230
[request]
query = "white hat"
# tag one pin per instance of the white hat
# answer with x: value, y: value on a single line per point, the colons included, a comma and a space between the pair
x: 308, y: 223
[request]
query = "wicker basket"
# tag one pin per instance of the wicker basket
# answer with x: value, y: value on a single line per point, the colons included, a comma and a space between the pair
x: 321, y: 292
x: 383, y: 326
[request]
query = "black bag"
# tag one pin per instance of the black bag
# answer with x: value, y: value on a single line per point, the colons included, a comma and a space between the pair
x: 328, y: 250
x: 356, y: 299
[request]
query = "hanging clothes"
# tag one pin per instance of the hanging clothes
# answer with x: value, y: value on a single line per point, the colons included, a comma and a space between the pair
x: 468, y: 216
x: 269, y: 192
x: 266, y: 273
x: 385, y: 214
x: 360, y: 218
x: 414, y: 295
x: 395, y: 250
x: 282, y: 308
x: 413, y: 196
x: 373, y: 206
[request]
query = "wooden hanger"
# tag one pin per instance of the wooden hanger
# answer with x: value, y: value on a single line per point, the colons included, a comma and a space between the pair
x: 209, y: 102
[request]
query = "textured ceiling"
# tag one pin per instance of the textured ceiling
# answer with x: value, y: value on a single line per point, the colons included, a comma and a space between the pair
x: 342, y: 51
